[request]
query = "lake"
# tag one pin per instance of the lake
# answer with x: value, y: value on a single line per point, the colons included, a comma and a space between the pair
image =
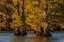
x: 9, y: 37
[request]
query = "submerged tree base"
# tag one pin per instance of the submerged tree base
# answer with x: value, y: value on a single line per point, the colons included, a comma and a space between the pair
x: 17, y: 32
x: 46, y: 34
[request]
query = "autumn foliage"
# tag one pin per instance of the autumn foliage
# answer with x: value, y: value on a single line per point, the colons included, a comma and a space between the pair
x: 34, y: 12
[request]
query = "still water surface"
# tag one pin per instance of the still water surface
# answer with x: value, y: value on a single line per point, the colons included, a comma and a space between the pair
x: 9, y: 37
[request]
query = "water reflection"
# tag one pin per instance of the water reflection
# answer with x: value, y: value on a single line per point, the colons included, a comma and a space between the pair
x: 57, y: 37
x: 34, y: 39
x: 40, y: 39
x: 16, y: 39
x: 9, y: 37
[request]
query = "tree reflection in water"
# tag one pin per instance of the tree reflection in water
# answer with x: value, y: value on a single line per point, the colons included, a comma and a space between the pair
x: 39, y: 39
x: 16, y: 39
x: 9, y: 37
